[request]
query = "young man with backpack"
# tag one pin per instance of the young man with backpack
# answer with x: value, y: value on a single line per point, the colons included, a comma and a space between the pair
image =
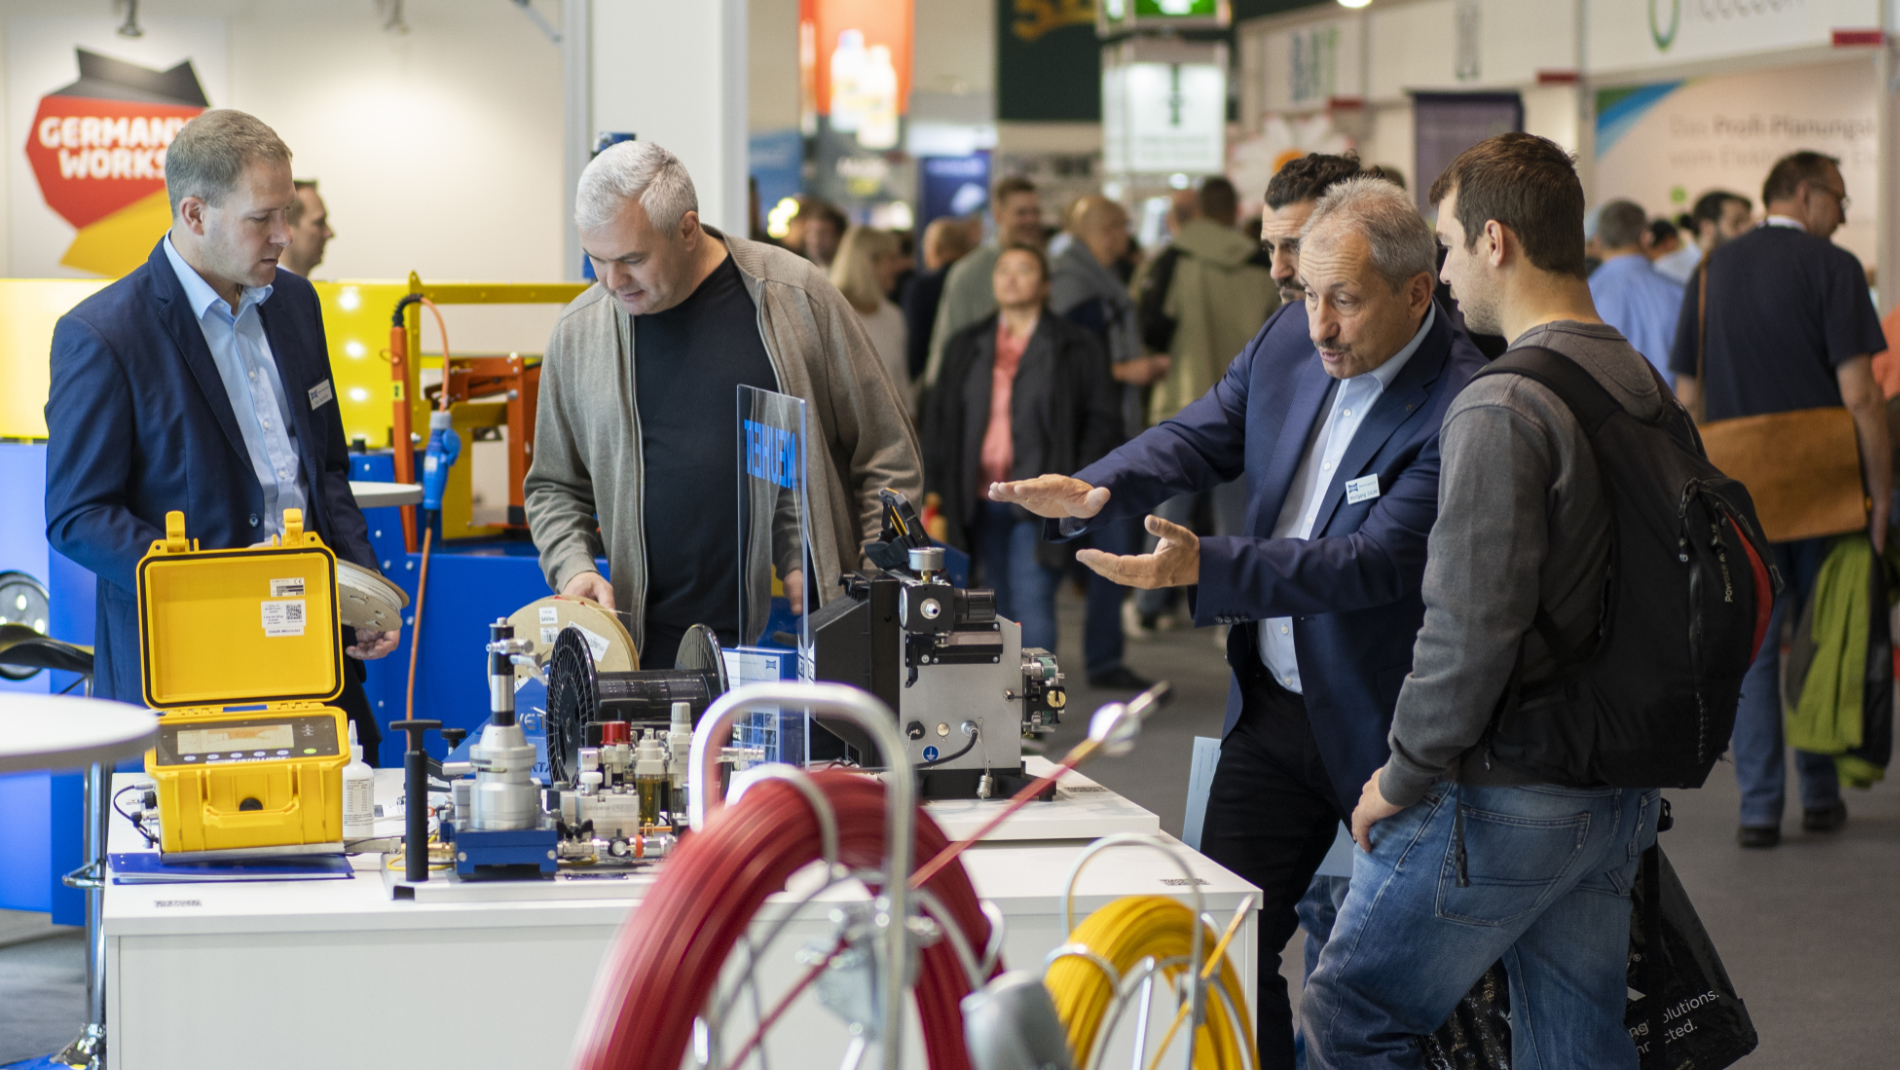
x: 1550, y: 696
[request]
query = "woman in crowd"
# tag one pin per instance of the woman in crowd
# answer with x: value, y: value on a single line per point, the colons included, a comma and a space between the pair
x: 1021, y: 393
x: 867, y: 261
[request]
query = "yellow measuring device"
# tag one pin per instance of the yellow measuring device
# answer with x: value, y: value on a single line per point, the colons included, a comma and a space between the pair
x: 241, y: 653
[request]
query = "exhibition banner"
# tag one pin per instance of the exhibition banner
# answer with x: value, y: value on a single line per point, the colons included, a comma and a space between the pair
x: 1665, y: 144
x: 90, y: 115
x: 855, y: 66
x: 1628, y: 34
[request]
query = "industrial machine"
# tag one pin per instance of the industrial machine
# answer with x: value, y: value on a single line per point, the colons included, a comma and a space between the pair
x: 243, y: 651
x: 617, y: 750
x: 965, y: 690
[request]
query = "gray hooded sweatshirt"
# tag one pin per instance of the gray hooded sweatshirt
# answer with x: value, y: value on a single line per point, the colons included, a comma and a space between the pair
x: 584, y: 489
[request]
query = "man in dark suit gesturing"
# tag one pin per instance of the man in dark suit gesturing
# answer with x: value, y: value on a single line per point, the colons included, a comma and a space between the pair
x: 1332, y: 415
x: 201, y: 382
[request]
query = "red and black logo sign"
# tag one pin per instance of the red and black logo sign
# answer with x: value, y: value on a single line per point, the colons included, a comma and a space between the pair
x: 98, y: 145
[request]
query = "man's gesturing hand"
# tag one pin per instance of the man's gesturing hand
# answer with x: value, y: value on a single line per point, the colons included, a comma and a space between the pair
x: 1371, y: 810
x: 1176, y: 562
x: 1052, y: 496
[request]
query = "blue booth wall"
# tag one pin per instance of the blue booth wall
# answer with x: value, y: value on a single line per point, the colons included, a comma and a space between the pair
x: 470, y: 584
x: 40, y: 813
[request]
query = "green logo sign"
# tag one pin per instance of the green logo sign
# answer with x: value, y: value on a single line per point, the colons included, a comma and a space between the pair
x: 1665, y: 38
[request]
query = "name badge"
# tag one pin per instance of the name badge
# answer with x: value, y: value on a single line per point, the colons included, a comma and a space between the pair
x: 1363, y: 489
x: 321, y: 393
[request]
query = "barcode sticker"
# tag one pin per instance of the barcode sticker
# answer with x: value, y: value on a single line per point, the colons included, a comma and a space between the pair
x: 549, y: 635
x: 283, y: 617
x: 596, y: 643
x: 290, y: 588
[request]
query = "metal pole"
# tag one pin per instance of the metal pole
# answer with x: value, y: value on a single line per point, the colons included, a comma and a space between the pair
x: 900, y: 791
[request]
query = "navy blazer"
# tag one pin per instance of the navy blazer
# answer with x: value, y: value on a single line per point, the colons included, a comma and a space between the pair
x: 138, y: 424
x: 1353, y: 588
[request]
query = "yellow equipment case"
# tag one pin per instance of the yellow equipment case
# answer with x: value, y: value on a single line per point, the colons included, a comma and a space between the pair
x: 241, y: 652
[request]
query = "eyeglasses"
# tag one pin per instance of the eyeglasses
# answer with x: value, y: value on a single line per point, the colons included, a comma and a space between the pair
x: 1838, y: 194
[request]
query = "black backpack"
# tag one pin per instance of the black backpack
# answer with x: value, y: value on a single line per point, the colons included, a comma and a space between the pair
x: 1650, y: 701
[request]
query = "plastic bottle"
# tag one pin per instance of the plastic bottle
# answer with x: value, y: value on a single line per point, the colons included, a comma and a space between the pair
x: 649, y: 779
x: 847, y: 67
x: 877, y: 100
x: 679, y: 740
x: 359, y: 794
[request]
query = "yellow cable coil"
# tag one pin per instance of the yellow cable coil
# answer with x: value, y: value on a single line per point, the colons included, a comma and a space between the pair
x: 1124, y: 932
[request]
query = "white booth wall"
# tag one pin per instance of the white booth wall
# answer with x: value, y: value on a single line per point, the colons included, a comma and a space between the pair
x: 437, y: 150
x: 1775, y: 65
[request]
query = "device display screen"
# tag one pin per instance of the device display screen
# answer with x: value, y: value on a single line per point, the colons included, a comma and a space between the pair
x: 234, y: 738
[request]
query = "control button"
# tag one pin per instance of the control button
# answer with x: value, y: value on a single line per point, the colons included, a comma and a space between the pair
x: 283, y: 752
x: 211, y: 757
x: 257, y: 754
x: 310, y: 750
x: 191, y: 757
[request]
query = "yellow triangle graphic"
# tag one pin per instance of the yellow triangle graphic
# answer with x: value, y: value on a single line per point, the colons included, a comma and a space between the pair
x: 122, y: 241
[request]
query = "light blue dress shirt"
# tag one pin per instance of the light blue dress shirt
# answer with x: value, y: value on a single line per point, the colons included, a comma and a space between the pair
x: 1642, y: 304
x: 242, y: 354
x: 1352, y: 399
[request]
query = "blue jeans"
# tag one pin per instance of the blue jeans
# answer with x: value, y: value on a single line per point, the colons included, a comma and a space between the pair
x: 1318, y: 909
x: 1006, y: 561
x: 1549, y: 872
x: 1761, y: 767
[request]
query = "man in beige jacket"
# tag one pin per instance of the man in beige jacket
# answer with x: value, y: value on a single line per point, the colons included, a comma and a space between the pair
x: 636, y: 436
x: 1220, y: 291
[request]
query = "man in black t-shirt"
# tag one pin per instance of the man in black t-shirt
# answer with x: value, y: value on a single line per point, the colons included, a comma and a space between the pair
x: 1790, y: 326
x: 637, y: 429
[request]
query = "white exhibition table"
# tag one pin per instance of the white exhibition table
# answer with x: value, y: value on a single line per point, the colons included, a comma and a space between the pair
x: 295, y: 974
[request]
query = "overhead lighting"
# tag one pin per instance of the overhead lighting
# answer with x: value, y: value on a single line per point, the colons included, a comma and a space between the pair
x: 130, y: 27
x: 1354, y: 3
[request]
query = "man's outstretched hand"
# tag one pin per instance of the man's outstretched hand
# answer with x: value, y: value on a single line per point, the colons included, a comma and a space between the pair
x: 1058, y: 497
x: 1175, y: 562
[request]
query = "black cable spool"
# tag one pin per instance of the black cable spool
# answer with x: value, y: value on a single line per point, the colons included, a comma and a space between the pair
x: 579, y: 694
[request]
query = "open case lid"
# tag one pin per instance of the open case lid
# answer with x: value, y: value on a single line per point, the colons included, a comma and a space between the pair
x: 239, y: 627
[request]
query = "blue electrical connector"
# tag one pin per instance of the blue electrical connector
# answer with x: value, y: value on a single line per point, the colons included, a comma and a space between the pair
x: 444, y: 447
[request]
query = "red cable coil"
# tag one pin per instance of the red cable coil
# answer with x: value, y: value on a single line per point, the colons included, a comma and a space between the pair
x: 665, y: 962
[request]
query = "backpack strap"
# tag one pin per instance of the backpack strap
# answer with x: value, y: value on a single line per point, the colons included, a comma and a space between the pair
x: 1577, y: 389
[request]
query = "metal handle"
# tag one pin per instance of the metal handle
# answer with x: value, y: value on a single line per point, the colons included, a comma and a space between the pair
x: 900, y: 791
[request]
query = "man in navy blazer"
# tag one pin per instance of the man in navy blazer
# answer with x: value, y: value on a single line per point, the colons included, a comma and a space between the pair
x: 201, y: 382
x: 1332, y: 414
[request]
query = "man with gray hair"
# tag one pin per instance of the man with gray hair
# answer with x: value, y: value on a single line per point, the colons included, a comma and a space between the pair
x: 636, y: 435
x: 1335, y: 429
x: 201, y: 382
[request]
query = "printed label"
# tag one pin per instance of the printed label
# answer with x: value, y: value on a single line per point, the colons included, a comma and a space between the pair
x: 321, y: 394
x: 596, y: 643
x: 550, y: 615
x: 283, y: 617
x: 177, y: 902
x: 549, y: 635
x: 291, y: 588
x: 1363, y: 489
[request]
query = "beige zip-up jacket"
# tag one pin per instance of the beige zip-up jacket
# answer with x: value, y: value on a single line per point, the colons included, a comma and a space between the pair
x: 584, y: 489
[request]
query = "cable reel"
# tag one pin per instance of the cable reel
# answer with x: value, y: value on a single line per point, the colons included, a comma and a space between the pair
x: 580, y: 695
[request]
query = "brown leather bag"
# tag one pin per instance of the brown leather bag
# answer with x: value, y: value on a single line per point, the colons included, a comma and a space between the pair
x: 1802, y: 468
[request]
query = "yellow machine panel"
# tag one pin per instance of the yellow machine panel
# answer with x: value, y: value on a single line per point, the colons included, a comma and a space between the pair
x: 241, y: 651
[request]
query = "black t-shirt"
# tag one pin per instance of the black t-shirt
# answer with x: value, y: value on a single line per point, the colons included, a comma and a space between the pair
x: 689, y: 362
x: 1785, y: 310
